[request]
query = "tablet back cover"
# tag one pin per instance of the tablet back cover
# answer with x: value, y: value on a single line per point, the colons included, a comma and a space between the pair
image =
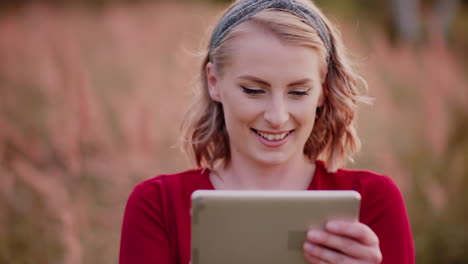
x: 255, y: 227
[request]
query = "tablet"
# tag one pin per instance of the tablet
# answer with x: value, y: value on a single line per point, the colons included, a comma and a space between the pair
x: 256, y: 227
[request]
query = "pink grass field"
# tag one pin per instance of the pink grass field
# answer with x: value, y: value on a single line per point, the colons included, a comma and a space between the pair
x: 91, y: 103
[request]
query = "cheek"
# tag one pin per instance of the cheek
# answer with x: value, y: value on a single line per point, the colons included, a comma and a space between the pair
x: 305, y: 111
x: 238, y: 109
x: 239, y: 118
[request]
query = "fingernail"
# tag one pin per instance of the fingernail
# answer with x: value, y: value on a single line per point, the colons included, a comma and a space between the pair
x: 314, y: 235
x: 333, y: 226
x: 309, y: 247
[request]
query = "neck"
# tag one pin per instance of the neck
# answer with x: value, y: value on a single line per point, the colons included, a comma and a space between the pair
x: 295, y: 174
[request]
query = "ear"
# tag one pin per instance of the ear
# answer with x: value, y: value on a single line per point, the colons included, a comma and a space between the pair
x: 211, y: 80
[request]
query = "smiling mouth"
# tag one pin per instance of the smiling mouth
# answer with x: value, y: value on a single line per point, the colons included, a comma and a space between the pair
x: 272, y: 137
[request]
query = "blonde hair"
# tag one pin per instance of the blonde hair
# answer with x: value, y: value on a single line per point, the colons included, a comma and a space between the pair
x: 333, y: 137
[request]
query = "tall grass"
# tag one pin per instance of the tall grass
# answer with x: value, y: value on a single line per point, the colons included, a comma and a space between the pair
x: 417, y: 134
x: 91, y: 103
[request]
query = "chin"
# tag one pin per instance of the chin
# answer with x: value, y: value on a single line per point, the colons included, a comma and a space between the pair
x: 273, y: 159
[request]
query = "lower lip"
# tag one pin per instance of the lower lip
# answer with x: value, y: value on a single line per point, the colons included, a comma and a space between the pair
x: 273, y: 144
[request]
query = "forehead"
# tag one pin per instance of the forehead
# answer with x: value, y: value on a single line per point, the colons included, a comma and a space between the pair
x: 257, y: 51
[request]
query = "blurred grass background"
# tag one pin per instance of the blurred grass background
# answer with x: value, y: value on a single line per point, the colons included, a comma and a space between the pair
x: 92, y: 93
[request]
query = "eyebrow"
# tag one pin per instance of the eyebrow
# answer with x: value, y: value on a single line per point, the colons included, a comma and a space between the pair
x: 258, y: 80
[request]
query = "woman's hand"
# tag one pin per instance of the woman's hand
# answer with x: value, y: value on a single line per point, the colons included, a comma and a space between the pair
x: 342, y: 242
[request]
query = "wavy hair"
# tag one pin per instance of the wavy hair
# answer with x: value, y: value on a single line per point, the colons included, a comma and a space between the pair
x: 333, y: 137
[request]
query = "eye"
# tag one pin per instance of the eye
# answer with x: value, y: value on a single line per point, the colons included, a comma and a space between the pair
x: 299, y: 93
x: 252, y: 91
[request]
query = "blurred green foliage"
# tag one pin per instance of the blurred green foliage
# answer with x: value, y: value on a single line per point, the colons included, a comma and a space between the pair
x: 30, y: 232
x: 441, y: 234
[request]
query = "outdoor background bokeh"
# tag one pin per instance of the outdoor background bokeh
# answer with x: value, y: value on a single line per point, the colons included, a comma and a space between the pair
x: 92, y: 93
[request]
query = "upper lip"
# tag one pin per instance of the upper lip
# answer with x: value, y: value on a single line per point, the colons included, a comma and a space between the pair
x: 272, y: 132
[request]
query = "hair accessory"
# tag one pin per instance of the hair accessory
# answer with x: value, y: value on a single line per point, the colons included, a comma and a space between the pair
x: 245, y: 9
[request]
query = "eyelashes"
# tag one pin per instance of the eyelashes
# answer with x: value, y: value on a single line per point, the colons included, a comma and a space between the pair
x: 252, y: 91
x: 300, y: 93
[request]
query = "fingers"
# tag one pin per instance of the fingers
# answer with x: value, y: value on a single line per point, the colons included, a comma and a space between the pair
x: 353, y: 230
x: 344, y: 245
x: 343, y: 242
x: 312, y: 259
x: 320, y: 255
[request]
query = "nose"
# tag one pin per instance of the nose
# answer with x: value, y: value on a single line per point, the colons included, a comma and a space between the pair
x: 276, y: 112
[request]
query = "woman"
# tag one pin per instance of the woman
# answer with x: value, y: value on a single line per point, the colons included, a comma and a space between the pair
x: 277, y: 93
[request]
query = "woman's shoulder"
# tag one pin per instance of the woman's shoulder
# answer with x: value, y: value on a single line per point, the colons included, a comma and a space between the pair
x: 174, y: 177
x: 185, y: 180
x: 381, y: 197
x: 366, y: 182
x: 380, y: 193
x: 369, y: 181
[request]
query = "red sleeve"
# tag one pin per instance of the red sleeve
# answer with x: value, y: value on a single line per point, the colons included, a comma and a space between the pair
x: 145, y: 237
x: 385, y: 213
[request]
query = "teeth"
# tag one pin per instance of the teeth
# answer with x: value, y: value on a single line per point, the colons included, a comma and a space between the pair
x: 272, y: 137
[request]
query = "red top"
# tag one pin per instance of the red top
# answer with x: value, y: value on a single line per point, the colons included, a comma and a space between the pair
x: 156, y: 225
